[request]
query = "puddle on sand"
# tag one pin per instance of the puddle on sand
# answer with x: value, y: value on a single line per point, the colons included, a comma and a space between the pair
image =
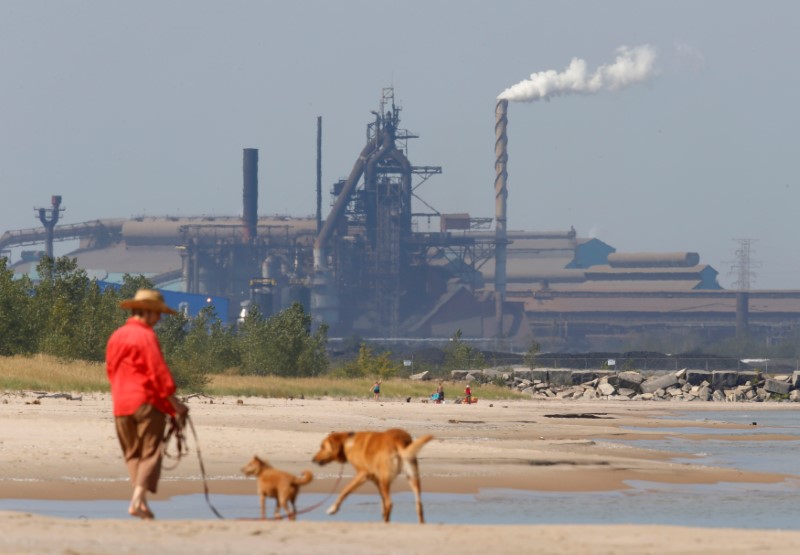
x: 719, y: 505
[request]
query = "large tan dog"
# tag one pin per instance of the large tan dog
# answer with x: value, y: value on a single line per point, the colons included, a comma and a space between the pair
x: 278, y: 484
x: 376, y: 456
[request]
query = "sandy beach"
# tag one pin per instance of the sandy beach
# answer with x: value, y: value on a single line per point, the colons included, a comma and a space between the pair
x: 67, y: 449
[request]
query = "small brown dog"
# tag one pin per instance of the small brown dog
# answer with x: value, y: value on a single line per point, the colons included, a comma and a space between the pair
x: 281, y: 485
x: 376, y: 456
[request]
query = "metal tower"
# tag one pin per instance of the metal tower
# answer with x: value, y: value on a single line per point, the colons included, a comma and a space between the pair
x: 743, y: 266
x: 49, y: 218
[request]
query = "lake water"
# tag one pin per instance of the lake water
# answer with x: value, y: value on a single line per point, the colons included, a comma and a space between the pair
x: 771, y: 506
x: 782, y: 457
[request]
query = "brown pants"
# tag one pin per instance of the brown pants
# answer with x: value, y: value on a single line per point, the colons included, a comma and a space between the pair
x: 140, y: 436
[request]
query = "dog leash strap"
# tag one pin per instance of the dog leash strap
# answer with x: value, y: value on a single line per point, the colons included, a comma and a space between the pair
x: 176, y: 430
x: 203, y: 470
x: 325, y: 500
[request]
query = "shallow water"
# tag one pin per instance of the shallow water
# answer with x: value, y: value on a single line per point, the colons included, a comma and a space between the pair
x: 721, y: 505
x: 779, y: 456
x: 718, y: 505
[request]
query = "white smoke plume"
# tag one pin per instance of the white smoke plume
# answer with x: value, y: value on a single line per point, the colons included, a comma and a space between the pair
x: 633, y: 65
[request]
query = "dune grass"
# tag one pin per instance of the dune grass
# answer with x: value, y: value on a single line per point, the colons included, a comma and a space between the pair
x: 44, y: 373
x: 49, y: 374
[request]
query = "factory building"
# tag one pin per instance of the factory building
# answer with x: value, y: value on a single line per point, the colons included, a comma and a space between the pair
x: 365, y: 269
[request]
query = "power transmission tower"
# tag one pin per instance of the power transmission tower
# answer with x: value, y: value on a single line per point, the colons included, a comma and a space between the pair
x: 744, y: 264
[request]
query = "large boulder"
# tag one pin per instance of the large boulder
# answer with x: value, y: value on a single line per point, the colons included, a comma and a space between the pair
x: 606, y: 388
x: 777, y: 386
x: 704, y: 392
x: 660, y: 382
x: 422, y: 376
x: 630, y: 380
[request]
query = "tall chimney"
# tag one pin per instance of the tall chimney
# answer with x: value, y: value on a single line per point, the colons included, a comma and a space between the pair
x: 319, y: 173
x: 250, y: 194
x: 500, y: 197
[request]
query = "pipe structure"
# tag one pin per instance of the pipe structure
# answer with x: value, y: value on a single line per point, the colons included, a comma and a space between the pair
x: 336, y: 213
x: 97, y: 229
x: 500, y: 198
x: 250, y: 194
x: 49, y: 219
x: 324, y: 297
x: 742, y: 313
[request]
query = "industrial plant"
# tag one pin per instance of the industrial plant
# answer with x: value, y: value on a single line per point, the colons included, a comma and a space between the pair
x: 365, y: 267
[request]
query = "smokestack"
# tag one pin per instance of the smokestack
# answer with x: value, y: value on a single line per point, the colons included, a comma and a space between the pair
x: 500, y: 197
x: 319, y: 173
x: 250, y: 194
x: 632, y: 65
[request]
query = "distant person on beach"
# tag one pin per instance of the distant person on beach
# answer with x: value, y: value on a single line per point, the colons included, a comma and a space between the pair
x: 467, y: 395
x: 142, y: 393
x: 440, y: 393
x: 376, y: 390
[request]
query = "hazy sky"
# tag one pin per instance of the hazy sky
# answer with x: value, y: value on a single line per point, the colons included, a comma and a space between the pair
x: 130, y: 108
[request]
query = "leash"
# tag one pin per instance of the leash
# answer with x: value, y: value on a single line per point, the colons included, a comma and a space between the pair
x: 181, y: 448
x: 176, y: 430
x: 319, y: 504
x: 203, y: 470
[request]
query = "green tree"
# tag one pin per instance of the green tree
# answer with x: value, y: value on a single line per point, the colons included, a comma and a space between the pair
x: 530, y: 355
x: 58, y: 298
x: 283, y: 345
x: 131, y: 284
x: 96, y: 318
x: 367, y: 363
x: 17, y: 331
x: 185, y: 351
x: 208, y: 344
x: 222, y: 345
x: 172, y: 331
x: 460, y: 356
x: 251, y: 341
x: 292, y: 348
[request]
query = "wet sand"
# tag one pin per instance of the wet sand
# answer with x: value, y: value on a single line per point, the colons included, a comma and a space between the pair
x: 61, y: 449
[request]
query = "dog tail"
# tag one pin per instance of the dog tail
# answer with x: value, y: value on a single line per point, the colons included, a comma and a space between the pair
x: 411, y: 450
x: 304, y: 479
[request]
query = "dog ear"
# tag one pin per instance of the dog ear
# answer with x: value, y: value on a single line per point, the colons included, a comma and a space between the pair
x: 341, y: 456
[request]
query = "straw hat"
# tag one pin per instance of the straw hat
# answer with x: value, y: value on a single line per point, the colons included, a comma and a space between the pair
x: 147, y: 299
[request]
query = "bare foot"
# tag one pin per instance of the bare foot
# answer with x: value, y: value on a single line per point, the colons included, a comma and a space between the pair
x: 142, y: 512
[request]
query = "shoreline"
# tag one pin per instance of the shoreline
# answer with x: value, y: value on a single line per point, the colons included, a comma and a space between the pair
x: 553, y: 446
x: 67, y: 450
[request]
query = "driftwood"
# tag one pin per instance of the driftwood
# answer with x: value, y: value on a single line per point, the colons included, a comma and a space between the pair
x: 198, y: 395
x: 67, y: 396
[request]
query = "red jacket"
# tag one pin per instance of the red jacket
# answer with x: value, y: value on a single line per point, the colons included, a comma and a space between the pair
x: 137, y: 371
